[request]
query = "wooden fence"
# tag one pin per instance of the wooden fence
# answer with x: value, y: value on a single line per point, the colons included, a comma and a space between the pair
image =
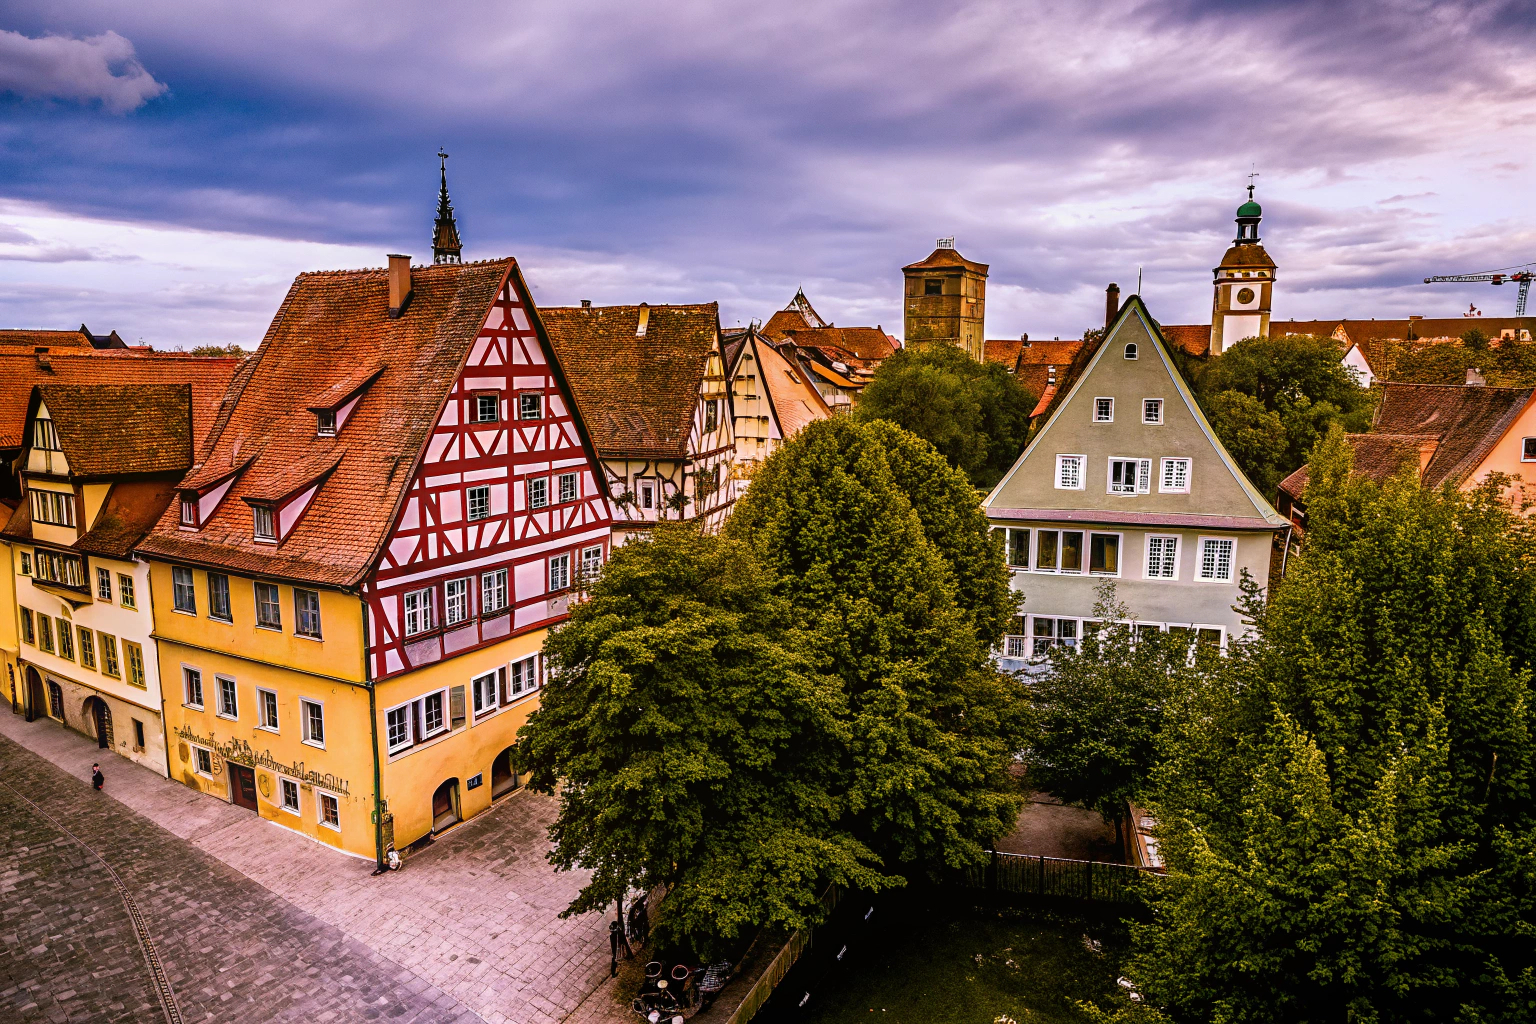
x: 761, y: 989
x: 1023, y: 875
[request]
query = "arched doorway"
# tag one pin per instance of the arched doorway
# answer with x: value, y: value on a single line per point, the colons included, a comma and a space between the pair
x: 445, y: 805
x: 55, y: 700
x: 504, y: 777
x: 36, y: 701
x: 100, y: 717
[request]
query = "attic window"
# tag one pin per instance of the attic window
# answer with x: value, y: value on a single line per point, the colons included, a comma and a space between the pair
x: 44, y: 436
x: 530, y: 406
x: 325, y: 422
x: 487, y: 408
x: 1130, y: 350
x: 188, y: 511
x: 264, y: 526
x: 933, y: 286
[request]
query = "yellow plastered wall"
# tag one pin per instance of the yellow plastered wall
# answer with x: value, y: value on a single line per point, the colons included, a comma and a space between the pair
x: 11, y: 673
x: 410, y: 778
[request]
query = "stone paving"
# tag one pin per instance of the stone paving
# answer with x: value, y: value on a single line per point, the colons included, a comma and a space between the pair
x: 469, y: 928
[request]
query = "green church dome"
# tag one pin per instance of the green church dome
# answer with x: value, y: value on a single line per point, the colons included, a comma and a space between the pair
x: 1250, y: 209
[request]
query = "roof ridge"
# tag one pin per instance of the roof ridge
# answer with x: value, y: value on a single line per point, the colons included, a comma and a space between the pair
x: 343, y: 271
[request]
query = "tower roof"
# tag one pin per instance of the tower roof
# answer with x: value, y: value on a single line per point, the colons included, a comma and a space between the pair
x: 445, y: 233
x: 943, y: 259
x: 1246, y: 256
x: 1250, y: 209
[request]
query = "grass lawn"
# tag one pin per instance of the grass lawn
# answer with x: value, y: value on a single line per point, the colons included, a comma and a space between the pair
x: 975, y: 967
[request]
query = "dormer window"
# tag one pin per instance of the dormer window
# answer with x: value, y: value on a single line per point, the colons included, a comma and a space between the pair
x: 1130, y: 350
x: 188, y: 511
x: 44, y: 436
x: 264, y: 526
x: 325, y: 422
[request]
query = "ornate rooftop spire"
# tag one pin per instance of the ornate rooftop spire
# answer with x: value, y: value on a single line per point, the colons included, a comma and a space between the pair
x: 445, y: 234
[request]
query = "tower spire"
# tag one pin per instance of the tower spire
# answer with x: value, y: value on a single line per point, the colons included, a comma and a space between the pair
x: 445, y: 234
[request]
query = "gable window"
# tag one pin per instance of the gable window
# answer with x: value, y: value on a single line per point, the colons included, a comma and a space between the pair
x: 1069, y: 472
x: 188, y: 512
x: 229, y: 705
x: 1216, y: 559
x: 53, y: 507
x: 1018, y: 549
x: 1162, y: 557
x: 493, y: 591
x: 1528, y: 449
x: 1175, y: 476
x: 1059, y: 551
x: 183, y: 592
x: 192, y: 687
x: 44, y: 436
x: 109, y: 665
x: 559, y: 572
x: 567, y: 487
x: 711, y: 415
x: 1151, y: 410
x: 933, y: 286
x: 418, y: 611
x: 266, y: 710
x: 1130, y: 476
x: 103, y: 584
x: 591, y: 562
x: 325, y: 422
x: 306, y: 612
x: 1104, y: 554
x: 26, y: 563
x: 1130, y: 350
x: 66, y: 640
x: 479, y: 502
x: 269, y: 614
x: 488, y: 408
x: 485, y: 689
x: 263, y: 524
x: 312, y: 717
x: 134, y: 655
x: 1103, y: 410
x: 218, y: 597
x: 27, y: 632
x: 87, y: 647
x: 647, y: 490
x: 455, y: 601
x: 525, y: 678
x: 530, y: 406
x: 290, y: 790
x: 538, y: 492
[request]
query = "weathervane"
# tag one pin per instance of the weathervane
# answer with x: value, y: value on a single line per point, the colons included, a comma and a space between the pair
x: 1251, y: 176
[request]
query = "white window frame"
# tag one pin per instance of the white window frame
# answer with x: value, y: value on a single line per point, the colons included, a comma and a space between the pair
x: 1029, y: 546
x: 1088, y: 570
x: 197, y: 763
x: 1039, y: 646
x: 522, y: 409
x: 522, y: 679
x: 261, y: 710
x: 188, y: 512
x: 284, y: 786
x: 1132, y: 350
x: 186, y: 689
x: 305, y: 703
x: 276, y: 602
x: 477, y: 503
x: 494, y: 397
x: 229, y: 610
x: 575, y: 486
x: 1160, y: 406
x: 1082, y: 475
x: 1200, y: 575
x: 263, y: 516
x: 219, y: 679
x: 538, y: 496
x: 1059, y: 531
x: 1162, y: 474
x: 390, y: 745
x: 1103, y: 419
x: 26, y: 563
x: 1528, y: 449
x: 494, y: 584
x: 456, y: 606
x: 298, y: 615
x: 1142, y: 483
x: 645, y: 494
x: 447, y: 725
x: 1146, y: 562
x: 560, y: 564
x: 178, y: 574
x: 591, y: 562
x: 103, y: 584
x: 321, y: 796
x: 325, y: 422
x: 421, y: 615
x: 480, y: 708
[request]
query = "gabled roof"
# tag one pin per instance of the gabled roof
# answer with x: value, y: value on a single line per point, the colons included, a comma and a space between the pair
x: 1002, y: 351
x: 637, y: 394
x: 870, y: 344
x: 795, y: 400
x: 20, y: 373
x: 1467, y: 420
x: 1376, y: 457
x: 946, y: 259
x: 44, y: 339
x: 330, y: 325
x: 121, y: 429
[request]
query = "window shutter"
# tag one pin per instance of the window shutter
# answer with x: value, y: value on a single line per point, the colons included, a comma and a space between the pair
x: 456, y: 706
x: 1143, y: 476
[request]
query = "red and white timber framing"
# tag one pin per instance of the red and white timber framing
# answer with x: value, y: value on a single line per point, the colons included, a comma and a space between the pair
x: 435, y: 542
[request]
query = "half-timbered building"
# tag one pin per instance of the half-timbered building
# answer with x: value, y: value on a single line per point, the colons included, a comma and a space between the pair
x: 650, y: 382
x: 773, y: 399
x: 355, y: 582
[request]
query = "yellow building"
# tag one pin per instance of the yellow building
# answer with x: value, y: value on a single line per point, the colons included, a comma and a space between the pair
x: 353, y: 587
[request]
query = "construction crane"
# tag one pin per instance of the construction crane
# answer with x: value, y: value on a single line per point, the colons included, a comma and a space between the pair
x: 1514, y: 275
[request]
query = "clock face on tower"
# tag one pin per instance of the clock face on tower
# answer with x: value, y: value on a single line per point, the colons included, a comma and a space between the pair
x: 1245, y: 295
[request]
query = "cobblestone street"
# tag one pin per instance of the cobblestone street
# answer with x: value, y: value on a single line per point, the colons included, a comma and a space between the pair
x: 256, y: 923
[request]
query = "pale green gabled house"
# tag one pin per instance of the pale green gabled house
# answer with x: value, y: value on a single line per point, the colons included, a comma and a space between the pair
x: 1128, y: 481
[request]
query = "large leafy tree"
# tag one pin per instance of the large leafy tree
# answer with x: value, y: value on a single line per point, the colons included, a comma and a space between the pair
x: 1510, y: 362
x: 975, y: 414
x: 933, y: 725
x: 696, y: 744
x: 1348, y: 810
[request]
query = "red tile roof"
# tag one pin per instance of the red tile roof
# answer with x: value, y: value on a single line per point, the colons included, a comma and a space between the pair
x: 796, y: 402
x: 19, y: 373
x: 1467, y: 420
x: 1192, y: 338
x: 111, y: 430
x: 329, y: 326
x: 1376, y: 457
x: 1002, y: 351
x: 1049, y: 353
x: 636, y: 394
x: 1423, y: 329
x: 44, y: 339
x: 869, y: 344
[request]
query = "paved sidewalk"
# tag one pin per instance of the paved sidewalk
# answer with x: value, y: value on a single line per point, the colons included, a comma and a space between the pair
x: 475, y: 916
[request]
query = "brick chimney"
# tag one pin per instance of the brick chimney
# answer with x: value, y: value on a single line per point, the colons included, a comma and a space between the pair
x: 399, y: 284
x: 586, y: 303
x: 1111, y: 304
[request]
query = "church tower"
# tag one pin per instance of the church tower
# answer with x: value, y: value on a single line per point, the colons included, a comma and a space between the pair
x: 946, y: 301
x: 445, y: 233
x: 1244, y: 284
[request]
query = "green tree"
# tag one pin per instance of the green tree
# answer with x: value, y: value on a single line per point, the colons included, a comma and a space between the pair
x: 218, y: 350
x: 1346, y: 803
x: 934, y: 725
x: 975, y: 414
x: 695, y: 745
x: 1475, y: 341
x: 1511, y: 363
x: 1298, y: 379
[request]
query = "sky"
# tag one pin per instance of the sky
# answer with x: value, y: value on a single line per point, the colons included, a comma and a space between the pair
x: 166, y: 168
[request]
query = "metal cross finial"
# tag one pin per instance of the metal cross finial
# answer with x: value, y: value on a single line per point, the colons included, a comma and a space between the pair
x: 442, y: 159
x: 1251, y: 176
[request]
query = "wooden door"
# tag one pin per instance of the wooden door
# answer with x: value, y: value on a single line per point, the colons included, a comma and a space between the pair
x: 243, y: 785
x: 37, y: 705
x: 103, y: 716
x: 444, y: 813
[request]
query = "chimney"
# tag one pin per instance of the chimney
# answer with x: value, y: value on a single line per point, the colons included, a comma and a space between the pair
x: 1111, y: 304
x: 1474, y: 378
x: 43, y: 362
x: 645, y: 317
x: 586, y: 303
x: 399, y: 284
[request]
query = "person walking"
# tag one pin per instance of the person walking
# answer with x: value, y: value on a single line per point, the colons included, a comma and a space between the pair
x: 96, y: 777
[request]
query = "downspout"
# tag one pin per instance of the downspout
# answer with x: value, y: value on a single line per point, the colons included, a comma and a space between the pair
x: 373, y: 730
x: 1285, y: 554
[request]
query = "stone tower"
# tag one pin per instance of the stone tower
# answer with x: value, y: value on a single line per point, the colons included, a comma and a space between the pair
x: 1244, y: 284
x: 946, y: 301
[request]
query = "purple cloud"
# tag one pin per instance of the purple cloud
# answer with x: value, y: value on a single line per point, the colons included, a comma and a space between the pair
x: 101, y: 68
